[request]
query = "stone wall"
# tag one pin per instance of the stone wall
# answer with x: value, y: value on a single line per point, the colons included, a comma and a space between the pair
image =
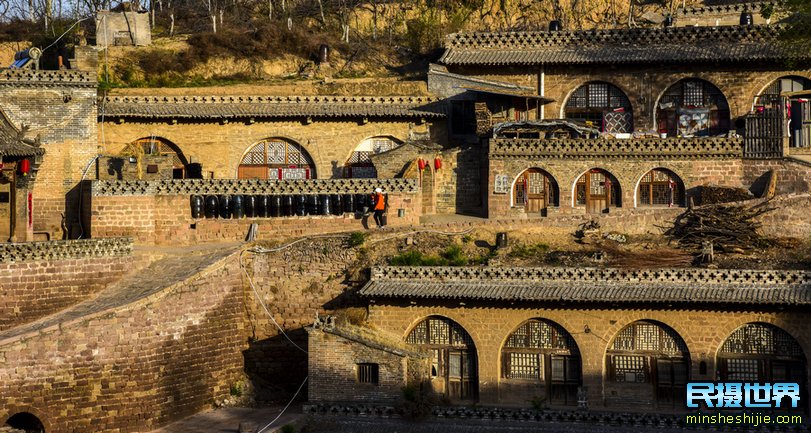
x: 60, y: 108
x: 642, y: 84
x: 219, y: 146
x: 793, y: 176
x: 160, y: 212
x: 592, y: 328
x: 133, y: 368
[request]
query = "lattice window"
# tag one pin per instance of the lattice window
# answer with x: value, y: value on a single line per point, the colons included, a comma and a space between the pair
x: 528, y: 366
x: 276, y: 151
x: 536, y: 183
x: 694, y: 93
x: 439, y: 331
x: 762, y: 339
x: 160, y: 147
x: 628, y: 368
x: 660, y: 188
x: 745, y: 370
x: 770, y: 97
x: 649, y: 337
x: 596, y: 103
x: 597, y: 183
x: 537, y: 334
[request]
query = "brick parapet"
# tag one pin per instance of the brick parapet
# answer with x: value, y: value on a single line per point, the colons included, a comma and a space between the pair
x: 64, y: 249
x: 710, y: 277
x: 678, y: 148
x: 251, y: 186
x: 30, y: 77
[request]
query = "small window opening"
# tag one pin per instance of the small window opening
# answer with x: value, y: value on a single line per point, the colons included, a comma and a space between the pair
x: 368, y: 373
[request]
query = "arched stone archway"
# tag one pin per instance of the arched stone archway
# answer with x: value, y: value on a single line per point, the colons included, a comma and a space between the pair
x: 761, y: 352
x: 693, y: 107
x: 602, y: 104
x: 161, y: 147
x: 276, y: 158
x: 597, y: 190
x: 540, y: 359
x: 660, y: 187
x: 25, y: 421
x: 454, y: 367
x: 535, y: 190
x: 769, y: 97
x: 648, y: 364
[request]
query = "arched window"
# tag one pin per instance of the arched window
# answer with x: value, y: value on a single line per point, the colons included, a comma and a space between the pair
x: 769, y: 98
x: 157, y: 146
x: 535, y: 190
x: 647, y: 362
x: 760, y: 352
x: 603, y: 105
x: 454, y: 365
x: 660, y: 187
x: 598, y: 190
x: 540, y: 359
x: 359, y: 164
x: 276, y: 159
x: 691, y: 108
x: 27, y: 422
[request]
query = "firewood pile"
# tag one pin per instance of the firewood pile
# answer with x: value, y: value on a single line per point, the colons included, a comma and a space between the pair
x: 710, y: 194
x: 728, y: 228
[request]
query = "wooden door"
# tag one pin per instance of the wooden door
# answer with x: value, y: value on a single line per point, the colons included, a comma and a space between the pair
x: 461, y: 380
x: 253, y: 172
x: 531, y: 191
x: 671, y: 382
x: 598, y: 192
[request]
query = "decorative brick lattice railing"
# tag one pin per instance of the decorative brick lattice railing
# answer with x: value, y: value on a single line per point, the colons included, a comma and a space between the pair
x: 713, y: 147
x: 252, y: 186
x: 730, y: 277
x: 69, y: 249
x: 23, y: 77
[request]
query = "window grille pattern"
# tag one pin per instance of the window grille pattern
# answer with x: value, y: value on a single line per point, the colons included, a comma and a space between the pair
x: 596, y: 103
x: 628, y: 368
x: 527, y: 366
x: 660, y: 187
x: 770, y: 97
x: 596, y: 183
x: 762, y: 339
x: 439, y: 331
x: 693, y: 93
x: 265, y: 157
x: 368, y: 373
x: 649, y: 337
x: 537, y: 334
x: 743, y: 370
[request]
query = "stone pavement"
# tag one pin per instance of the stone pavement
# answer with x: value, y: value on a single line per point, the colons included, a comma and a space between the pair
x: 227, y: 419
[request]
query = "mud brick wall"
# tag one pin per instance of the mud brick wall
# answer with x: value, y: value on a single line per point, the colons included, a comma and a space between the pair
x: 166, y: 219
x: 704, y: 331
x: 60, y: 108
x: 135, y: 368
x: 792, y: 176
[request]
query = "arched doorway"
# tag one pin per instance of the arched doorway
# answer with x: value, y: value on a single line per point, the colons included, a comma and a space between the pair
x: 540, y: 359
x: 646, y: 363
x: 454, y: 367
x: 761, y: 352
x: 597, y: 190
x: 25, y: 421
x: 603, y: 105
x: 276, y: 158
x: 660, y: 187
x: 769, y: 98
x: 359, y: 164
x: 535, y: 190
x: 161, y: 147
x: 691, y: 108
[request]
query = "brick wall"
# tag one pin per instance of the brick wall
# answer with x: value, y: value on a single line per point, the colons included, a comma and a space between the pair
x: 166, y: 219
x: 33, y: 289
x: 60, y: 108
x: 702, y: 330
x: 333, y: 366
x: 134, y: 368
x: 219, y: 147
x: 792, y: 176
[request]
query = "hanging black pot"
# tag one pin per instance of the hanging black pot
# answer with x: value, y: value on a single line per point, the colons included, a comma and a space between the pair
x: 225, y: 206
x: 349, y: 203
x: 250, y: 206
x: 325, y: 205
x: 238, y: 207
x: 746, y: 19
x: 197, y: 204
x: 212, y: 206
x: 300, y: 205
x: 262, y: 206
x: 337, y: 205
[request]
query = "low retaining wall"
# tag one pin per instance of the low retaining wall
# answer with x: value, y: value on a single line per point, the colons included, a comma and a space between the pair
x: 159, y: 212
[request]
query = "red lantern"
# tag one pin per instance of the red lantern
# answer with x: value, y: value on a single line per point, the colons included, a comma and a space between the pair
x: 437, y: 163
x: 25, y: 167
x: 421, y: 164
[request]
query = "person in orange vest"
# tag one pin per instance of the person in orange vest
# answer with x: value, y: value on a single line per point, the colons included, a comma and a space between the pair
x: 379, y: 206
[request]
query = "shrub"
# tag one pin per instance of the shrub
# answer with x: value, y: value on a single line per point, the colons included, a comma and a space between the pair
x: 356, y: 239
x: 522, y: 251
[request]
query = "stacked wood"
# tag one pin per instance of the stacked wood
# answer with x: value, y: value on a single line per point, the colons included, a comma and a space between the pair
x: 709, y: 194
x: 729, y: 228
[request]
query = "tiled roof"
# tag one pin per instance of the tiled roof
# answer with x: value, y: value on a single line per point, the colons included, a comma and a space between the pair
x: 225, y: 107
x: 616, y: 46
x: 592, y: 285
x: 11, y: 141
